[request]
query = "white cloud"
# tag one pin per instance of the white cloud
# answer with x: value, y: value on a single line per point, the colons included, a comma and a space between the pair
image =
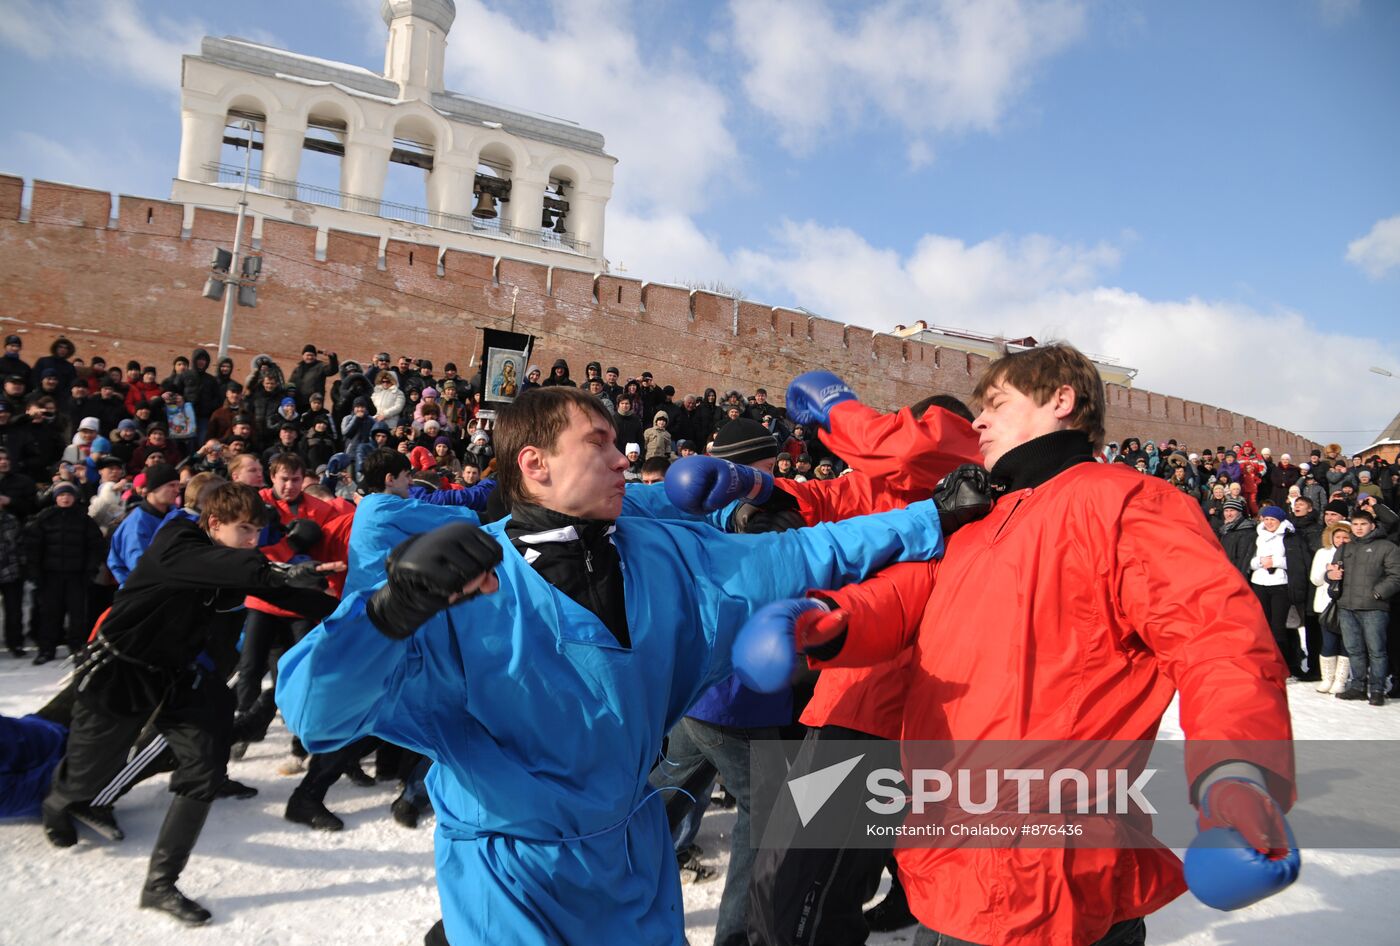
x: 1217, y: 352
x: 919, y: 154
x: 657, y: 111
x: 1336, y: 12
x: 1377, y: 252
x: 946, y: 66
x: 113, y: 35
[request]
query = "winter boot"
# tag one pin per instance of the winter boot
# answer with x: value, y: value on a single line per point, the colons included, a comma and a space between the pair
x: 1353, y: 693
x: 58, y: 826
x: 1377, y: 698
x: 232, y: 789
x: 1329, y: 672
x: 891, y: 913
x: 177, y: 838
x: 312, y: 813
x: 99, y: 818
x: 1342, y: 680
x: 404, y: 812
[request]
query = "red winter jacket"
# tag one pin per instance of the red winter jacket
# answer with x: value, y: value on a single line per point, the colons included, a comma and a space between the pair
x: 1074, y: 611
x: 897, y: 460
x: 333, y: 547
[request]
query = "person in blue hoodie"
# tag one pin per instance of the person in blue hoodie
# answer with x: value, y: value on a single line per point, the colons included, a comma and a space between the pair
x: 540, y: 660
x: 134, y: 535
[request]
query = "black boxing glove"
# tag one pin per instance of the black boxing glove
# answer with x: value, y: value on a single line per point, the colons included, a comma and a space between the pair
x: 302, y: 535
x: 301, y: 575
x: 425, y: 572
x: 964, y: 496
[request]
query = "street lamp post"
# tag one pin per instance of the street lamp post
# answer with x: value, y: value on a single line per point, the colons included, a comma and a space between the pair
x: 232, y: 283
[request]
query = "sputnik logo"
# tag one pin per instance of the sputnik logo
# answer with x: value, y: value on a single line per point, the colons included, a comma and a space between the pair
x: 813, y: 790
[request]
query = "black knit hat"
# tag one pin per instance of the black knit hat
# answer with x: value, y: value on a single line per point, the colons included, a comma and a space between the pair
x: 1236, y: 504
x: 744, y: 441
x: 308, y: 349
x: 1337, y: 506
x: 158, y: 475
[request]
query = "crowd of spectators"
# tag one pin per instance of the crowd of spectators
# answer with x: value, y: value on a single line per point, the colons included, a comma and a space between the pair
x: 76, y: 438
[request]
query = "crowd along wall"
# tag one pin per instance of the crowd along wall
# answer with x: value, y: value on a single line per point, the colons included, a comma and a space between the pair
x: 121, y: 276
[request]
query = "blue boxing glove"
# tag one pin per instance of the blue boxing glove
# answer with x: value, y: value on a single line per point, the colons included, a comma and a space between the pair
x: 703, y: 484
x: 1245, y: 851
x: 765, y: 652
x: 812, y: 395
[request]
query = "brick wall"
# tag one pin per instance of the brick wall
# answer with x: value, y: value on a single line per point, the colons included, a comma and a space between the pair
x: 127, y: 285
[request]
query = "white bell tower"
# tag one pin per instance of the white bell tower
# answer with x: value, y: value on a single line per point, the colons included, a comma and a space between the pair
x: 417, y: 44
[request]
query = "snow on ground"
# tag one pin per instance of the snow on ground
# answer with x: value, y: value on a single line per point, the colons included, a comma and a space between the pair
x: 271, y: 883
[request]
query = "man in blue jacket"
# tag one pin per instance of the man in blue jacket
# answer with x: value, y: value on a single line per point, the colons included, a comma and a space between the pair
x: 544, y: 703
x: 133, y: 536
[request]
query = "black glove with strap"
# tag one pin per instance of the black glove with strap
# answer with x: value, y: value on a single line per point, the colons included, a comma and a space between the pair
x: 302, y: 535
x: 964, y: 496
x: 426, y: 572
x: 301, y: 575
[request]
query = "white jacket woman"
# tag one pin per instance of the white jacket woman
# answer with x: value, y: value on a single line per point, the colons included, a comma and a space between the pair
x: 1336, y: 671
x: 388, y: 399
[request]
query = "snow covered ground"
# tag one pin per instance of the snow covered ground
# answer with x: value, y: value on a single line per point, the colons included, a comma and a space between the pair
x: 274, y: 883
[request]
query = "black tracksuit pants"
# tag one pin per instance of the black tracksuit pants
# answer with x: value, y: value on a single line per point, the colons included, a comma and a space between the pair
x: 196, y: 717
x: 802, y: 896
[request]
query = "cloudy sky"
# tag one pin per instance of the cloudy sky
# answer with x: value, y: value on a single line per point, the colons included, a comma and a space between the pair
x: 1209, y: 192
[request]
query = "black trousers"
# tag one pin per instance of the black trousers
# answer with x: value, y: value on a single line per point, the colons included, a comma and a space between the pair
x: 196, y: 717
x: 63, y: 596
x: 13, y: 593
x: 1274, y: 600
x: 262, y: 634
x: 802, y: 896
x: 324, y: 768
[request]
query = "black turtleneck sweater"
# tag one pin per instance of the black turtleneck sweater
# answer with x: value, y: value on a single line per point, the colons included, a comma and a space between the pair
x: 1041, y: 458
x: 577, y: 556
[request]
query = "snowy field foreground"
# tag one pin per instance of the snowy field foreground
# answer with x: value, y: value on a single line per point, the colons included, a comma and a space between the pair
x: 270, y: 882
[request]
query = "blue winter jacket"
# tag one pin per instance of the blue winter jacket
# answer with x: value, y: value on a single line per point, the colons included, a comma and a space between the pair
x: 543, y: 728
x: 130, y: 540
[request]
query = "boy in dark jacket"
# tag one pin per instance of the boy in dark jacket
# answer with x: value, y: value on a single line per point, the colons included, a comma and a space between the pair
x: 148, y: 657
x: 63, y: 549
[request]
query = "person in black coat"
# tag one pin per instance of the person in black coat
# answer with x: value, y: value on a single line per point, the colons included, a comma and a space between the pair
x: 558, y: 375
x: 148, y: 657
x: 310, y: 374
x: 58, y: 361
x: 63, y: 550
x: 11, y: 364
x: 1237, y: 535
x: 628, y: 424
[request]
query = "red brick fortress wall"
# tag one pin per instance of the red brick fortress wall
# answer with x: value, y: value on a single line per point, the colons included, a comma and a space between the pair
x: 122, y: 279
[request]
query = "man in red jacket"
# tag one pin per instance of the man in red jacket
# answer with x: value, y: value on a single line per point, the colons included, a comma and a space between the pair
x: 1096, y: 595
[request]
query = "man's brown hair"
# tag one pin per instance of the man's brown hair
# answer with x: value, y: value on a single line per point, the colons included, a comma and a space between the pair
x: 288, y: 462
x: 535, y: 419
x: 232, y: 503
x: 1039, y: 372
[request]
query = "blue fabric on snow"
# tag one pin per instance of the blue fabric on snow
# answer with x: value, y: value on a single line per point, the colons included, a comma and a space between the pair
x: 30, y: 749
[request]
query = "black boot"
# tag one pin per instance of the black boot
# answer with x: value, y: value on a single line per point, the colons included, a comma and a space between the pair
x: 404, y: 812
x: 100, y: 819
x: 312, y: 813
x: 1352, y: 693
x: 232, y: 789
x: 177, y: 838
x: 1377, y: 698
x: 891, y: 913
x: 58, y: 826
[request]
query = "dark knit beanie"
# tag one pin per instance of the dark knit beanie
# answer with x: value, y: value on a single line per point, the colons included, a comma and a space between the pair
x: 158, y: 475
x: 744, y: 441
x: 1337, y: 506
x: 308, y: 349
x: 1273, y: 512
x: 1236, y: 504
